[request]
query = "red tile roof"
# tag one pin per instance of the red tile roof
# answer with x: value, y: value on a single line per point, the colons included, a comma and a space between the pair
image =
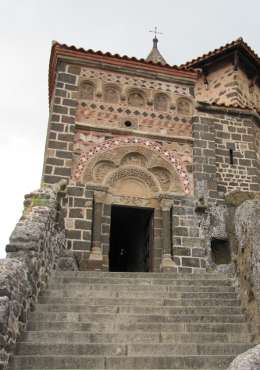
x: 62, y: 50
x: 236, y: 44
x: 231, y: 105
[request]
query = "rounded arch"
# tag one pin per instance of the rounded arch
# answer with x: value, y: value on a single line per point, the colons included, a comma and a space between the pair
x: 168, y: 155
x: 129, y: 175
x: 184, y: 106
x: 87, y: 90
x: 161, y: 102
x: 136, y: 97
x: 111, y: 93
x: 134, y: 158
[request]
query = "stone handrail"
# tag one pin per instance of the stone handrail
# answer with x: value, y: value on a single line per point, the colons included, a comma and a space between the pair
x: 36, y: 242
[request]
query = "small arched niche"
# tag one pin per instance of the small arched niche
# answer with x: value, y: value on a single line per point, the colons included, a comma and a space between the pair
x: 161, y: 102
x: 134, y: 158
x: 101, y: 169
x: 111, y: 94
x: 136, y: 98
x: 86, y: 90
x: 184, y: 106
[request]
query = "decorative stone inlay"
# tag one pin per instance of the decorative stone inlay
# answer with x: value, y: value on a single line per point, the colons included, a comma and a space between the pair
x: 108, y: 145
x: 137, y: 82
x: 131, y: 171
x: 144, y: 118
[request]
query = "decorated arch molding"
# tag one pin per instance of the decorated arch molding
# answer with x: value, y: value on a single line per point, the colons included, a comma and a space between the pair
x: 114, y: 143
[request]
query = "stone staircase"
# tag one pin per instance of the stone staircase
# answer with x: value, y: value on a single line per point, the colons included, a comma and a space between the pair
x: 95, y: 320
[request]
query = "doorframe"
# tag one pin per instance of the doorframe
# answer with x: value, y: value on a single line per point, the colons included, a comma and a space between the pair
x: 151, y: 232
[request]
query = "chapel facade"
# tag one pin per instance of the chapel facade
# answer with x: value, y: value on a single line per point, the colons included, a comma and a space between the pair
x: 147, y: 149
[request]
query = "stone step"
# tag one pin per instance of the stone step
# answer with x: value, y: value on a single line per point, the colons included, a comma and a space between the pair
x: 47, y: 337
x: 139, y: 302
x: 219, y: 310
x: 122, y: 349
x: 81, y: 293
x: 120, y: 362
x: 127, y: 318
x: 155, y: 281
x: 150, y: 275
x: 140, y: 288
x: 117, y: 327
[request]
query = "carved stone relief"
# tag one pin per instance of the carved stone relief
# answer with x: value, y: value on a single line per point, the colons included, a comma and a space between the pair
x: 111, y: 94
x: 163, y: 176
x: 134, y: 158
x: 133, y: 174
x: 101, y: 169
x: 86, y: 90
x: 136, y: 99
x: 161, y: 102
x: 184, y: 106
x: 130, y: 157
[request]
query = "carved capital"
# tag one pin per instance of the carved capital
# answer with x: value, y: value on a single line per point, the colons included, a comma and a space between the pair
x: 166, y: 204
x: 167, y: 264
x: 100, y: 196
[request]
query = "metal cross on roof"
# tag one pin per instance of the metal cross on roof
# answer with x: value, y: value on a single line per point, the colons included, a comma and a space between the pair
x: 156, y: 32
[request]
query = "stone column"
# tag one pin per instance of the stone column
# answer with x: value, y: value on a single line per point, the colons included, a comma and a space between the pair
x: 95, y: 261
x: 167, y: 263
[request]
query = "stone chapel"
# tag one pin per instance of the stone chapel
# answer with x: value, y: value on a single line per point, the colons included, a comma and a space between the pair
x: 141, y: 249
x: 146, y: 148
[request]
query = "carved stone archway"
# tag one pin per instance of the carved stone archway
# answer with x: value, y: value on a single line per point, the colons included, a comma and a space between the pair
x: 108, y: 145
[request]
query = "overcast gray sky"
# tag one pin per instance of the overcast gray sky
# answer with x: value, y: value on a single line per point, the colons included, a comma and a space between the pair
x: 27, y: 27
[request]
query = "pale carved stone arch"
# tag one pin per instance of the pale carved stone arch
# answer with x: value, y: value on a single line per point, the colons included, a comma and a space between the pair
x: 134, y: 158
x: 161, y: 102
x: 136, y: 98
x: 87, y: 90
x: 101, y: 169
x: 170, y: 158
x: 132, y: 180
x: 184, y: 106
x: 111, y: 93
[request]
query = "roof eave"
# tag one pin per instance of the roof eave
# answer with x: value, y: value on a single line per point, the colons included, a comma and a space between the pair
x: 59, y: 52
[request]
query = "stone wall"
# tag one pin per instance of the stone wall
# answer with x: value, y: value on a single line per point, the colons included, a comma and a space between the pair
x: 78, y: 212
x: 188, y: 244
x: 224, y: 153
x: 36, y: 242
x: 61, y: 127
x: 226, y: 85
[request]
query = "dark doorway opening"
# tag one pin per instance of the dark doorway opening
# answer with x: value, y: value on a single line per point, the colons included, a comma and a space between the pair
x: 131, y: 239
x: 220, y: 252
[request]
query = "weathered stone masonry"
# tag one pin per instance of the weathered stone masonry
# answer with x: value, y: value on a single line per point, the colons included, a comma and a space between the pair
x: 180, y: 141
x: 37, y: 246
x: 94, y: 108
